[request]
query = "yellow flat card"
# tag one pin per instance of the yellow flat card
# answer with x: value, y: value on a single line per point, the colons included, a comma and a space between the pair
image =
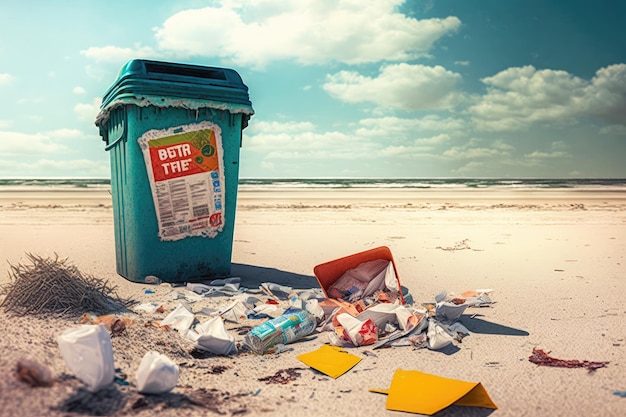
x: 330, y: 360
x: 418, y: 392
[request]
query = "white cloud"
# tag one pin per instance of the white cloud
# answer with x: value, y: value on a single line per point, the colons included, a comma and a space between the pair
x: 614, y: 130
x: 548, y: 155
x: 78, y: 90
x: 403, y: 86
x: 6, y: 79
x: 521, y: 96
x: 459, y: 152
x: 391, y: 125
x: 5, y: 124
x: 19, y: 144
x: 254, y: 33
x: 279, y: 128
x: 65, y: 134
x: 117, y: 55
x: 471, y: 168
x: 303, y: 141
x: 433, y: 140
x: 605, y: 96
x: 60, y: 168
x: 88, y: 111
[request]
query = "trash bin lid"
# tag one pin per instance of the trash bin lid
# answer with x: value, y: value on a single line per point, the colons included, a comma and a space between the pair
x: 167, y: 84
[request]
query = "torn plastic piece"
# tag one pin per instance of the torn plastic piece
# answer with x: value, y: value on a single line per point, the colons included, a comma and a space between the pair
x: 213, y: 337
x: 223, y: 286
x: 293, y: 325
x: 146, y: 308
x: 189, y: 296
x: 88, y: 352
x: 542, y: 358
x: 181, y: 319
x: 414, y: 329
x: 359, y: 333
x: 275, y: 290
x: 157, y: 374
x: 438, y: 336
x: 450, y: 311
x: 235, y: 312
x: 270, y: 310
x: 313, y: 293
x: 313, y: 307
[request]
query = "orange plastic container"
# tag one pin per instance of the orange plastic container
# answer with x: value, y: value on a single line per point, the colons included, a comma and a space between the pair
x: 329, y: 272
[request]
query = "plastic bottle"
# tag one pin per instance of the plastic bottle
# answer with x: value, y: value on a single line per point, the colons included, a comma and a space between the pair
x: 293, y: 325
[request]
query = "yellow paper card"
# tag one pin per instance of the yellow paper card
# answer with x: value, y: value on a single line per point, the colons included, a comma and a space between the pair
x: 330, y: 360
x: 418, y: 392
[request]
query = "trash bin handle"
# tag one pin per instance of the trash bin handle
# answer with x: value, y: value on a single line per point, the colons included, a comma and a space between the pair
x: 117, y: 133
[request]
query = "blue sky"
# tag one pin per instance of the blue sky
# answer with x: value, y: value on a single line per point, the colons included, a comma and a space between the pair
x: 341, y: 88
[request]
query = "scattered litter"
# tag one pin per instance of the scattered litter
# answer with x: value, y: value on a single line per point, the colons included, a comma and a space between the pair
x: 188, y: 296
x: 357, y: 332
x: 115, y: 325
x: 283, y: 376
x: 33, y: 373
x: 181, y: 319
x: 542, y: 358
x: 620, y: 393
x: 275, y: 290
x: 148, y: 308
x: 266, y: 310
x: 218, y: 369
x: 120, y: 377
x: 226, y: 286
x: 148, y: 291
x: 421, y: 393
x: 212, y: 337
x: 88, y: 352
x: 157, y: 374
x: 54, y: 286
x: 293, y: 325
x: 236, y: 311
x: 330, y: 360
x: 278, y: 349
x: 462, y: 245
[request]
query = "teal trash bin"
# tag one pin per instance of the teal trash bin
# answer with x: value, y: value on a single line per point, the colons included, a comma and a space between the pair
x: 173, y: 132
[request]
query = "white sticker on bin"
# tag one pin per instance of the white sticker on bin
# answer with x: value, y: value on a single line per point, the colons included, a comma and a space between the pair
x: 186, y: 172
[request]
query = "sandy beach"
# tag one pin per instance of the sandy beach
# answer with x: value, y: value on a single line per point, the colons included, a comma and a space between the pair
x: 554, y: 258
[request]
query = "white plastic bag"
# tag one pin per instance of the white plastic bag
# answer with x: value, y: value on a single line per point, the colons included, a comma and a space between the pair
x: 438, y: 336
x: 181, y: 319
x: 157, y: 374
x: 88, y: 352
x: 213, y: 337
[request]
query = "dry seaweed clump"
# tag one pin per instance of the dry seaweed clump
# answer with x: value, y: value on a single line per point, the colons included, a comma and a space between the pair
x: 55, y: 286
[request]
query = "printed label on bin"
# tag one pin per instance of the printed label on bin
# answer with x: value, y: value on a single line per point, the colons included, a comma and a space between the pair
x: 186, y: 171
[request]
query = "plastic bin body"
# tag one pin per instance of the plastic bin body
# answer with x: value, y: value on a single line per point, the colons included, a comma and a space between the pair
x: 140, y: 251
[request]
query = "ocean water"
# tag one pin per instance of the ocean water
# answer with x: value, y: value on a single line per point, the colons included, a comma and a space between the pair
x: 608, y: 184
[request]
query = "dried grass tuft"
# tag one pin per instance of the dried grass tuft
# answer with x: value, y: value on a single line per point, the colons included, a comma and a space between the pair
x: 55, y: 286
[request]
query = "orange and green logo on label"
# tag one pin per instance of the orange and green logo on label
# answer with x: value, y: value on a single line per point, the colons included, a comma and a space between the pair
x: 183, y: 154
